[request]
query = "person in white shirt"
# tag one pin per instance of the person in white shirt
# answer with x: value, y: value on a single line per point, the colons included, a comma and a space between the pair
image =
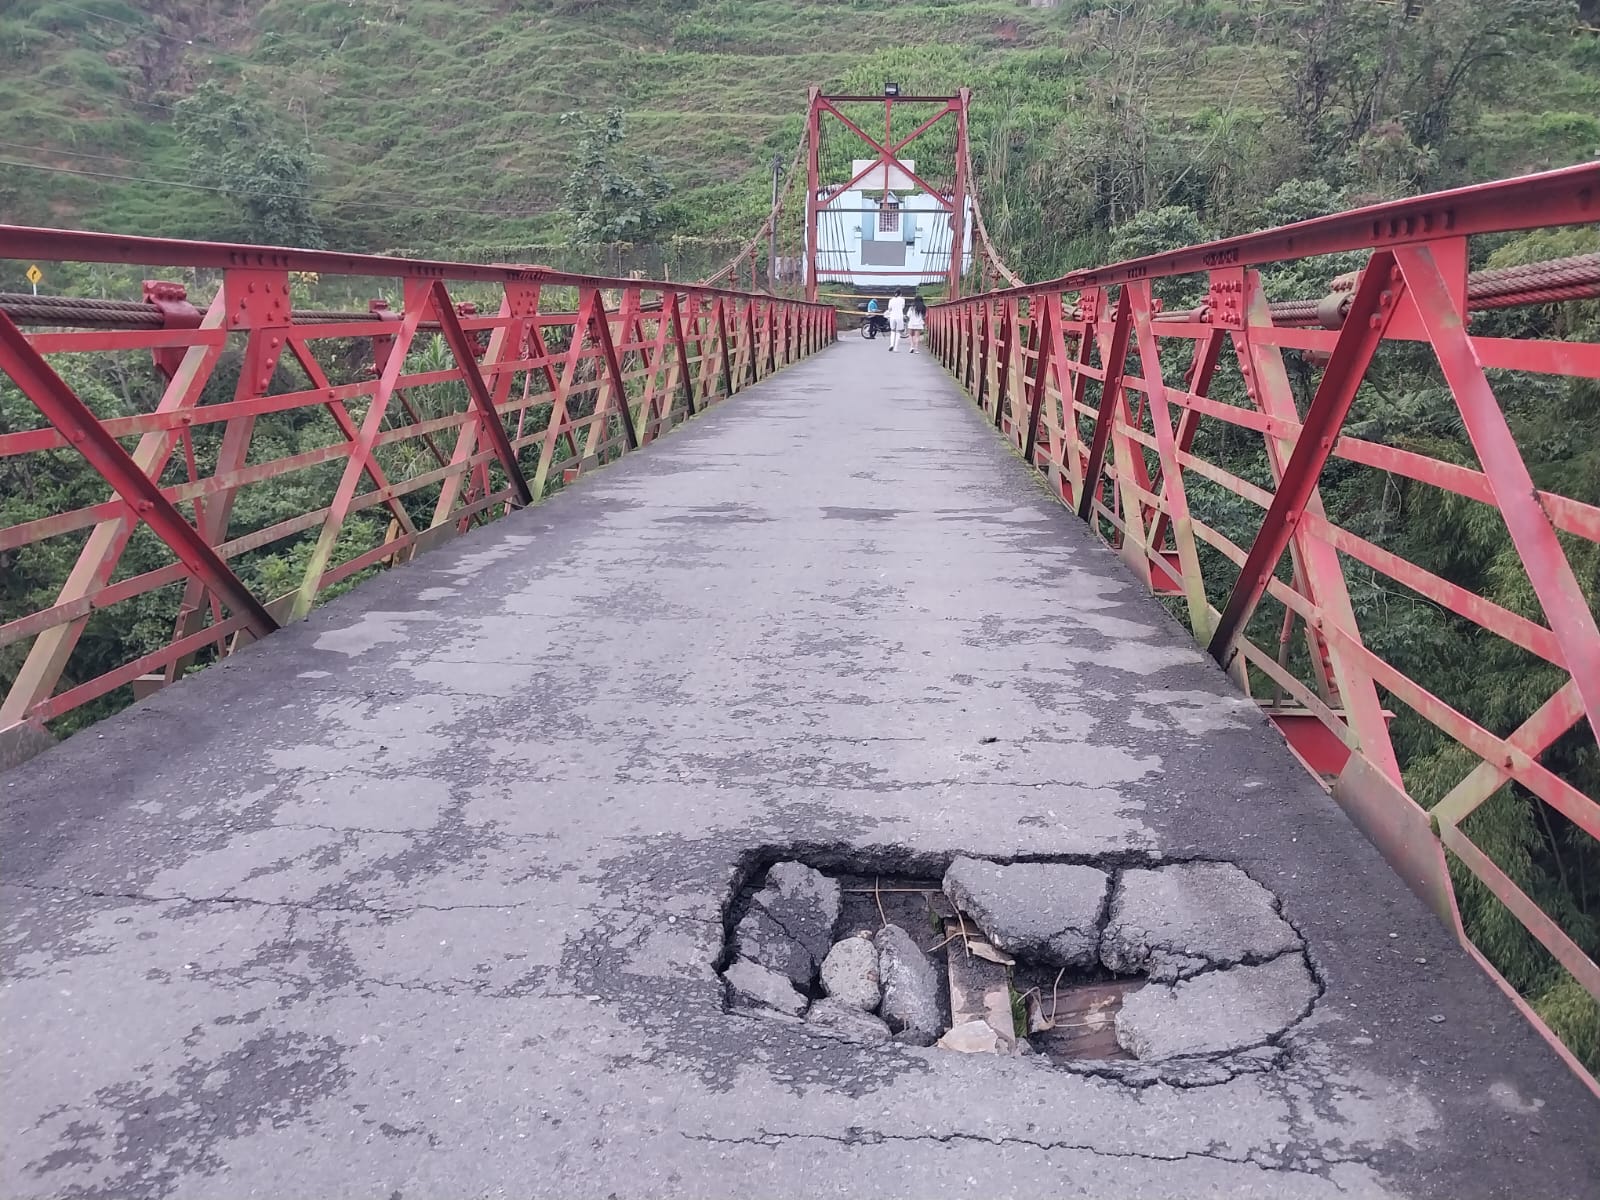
x: 916, y: 320
x: 897, y: 319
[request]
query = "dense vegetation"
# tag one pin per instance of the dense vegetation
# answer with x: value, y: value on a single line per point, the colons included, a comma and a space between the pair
x: 440, y: 122
x: 1101, y: 128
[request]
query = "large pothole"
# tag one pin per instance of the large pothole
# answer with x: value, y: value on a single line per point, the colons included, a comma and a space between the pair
x: 1179, y: 971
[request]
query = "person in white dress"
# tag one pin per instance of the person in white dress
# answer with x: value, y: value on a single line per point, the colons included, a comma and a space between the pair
x: 897, y: 319
x: 916, y: 321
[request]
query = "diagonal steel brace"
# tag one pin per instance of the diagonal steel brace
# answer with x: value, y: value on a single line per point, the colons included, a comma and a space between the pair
x: 144, y: 498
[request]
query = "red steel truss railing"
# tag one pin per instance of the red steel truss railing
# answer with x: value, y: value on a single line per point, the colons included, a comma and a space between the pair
x: 1111, y: 398
x: 570, y: 372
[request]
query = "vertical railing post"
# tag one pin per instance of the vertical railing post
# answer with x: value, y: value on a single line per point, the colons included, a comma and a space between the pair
x: 1138, y: 296
x: 614, y: 386
x: 1044, y: 325
x: 418, y: 297
x: 557, y: 426
x: 720, y: 309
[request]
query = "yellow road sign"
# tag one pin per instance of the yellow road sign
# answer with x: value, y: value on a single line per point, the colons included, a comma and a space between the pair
x: 34, y: 274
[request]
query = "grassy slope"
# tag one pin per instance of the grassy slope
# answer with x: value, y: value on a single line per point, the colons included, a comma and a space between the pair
x: 437, y: 121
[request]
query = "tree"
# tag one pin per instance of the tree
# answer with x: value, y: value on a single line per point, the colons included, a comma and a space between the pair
x: 611, y: 197
x: 1382, y: 90
x: 234, y: 147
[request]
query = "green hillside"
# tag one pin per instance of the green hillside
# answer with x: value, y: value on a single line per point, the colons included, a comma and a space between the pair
x: 437, y: 123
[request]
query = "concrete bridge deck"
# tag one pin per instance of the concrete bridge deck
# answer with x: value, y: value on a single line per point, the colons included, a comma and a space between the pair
x: 421, y: 897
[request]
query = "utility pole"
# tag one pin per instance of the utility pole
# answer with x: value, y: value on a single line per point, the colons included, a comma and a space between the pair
x: 772, y: 241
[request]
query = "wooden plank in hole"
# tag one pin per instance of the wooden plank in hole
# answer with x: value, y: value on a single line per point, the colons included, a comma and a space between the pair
x: 980, y: 989
x: 1085, y: 1019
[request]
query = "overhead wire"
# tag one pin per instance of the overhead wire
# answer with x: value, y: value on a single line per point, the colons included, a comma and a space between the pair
x: 149, y: 29
x: 69, y: 153
x: 768, y: 225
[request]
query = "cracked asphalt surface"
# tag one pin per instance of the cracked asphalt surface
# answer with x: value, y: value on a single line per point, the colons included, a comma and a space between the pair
x: 422, y: 897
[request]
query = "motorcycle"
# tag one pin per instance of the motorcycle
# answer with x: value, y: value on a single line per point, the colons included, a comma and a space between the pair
x: 875, y: 324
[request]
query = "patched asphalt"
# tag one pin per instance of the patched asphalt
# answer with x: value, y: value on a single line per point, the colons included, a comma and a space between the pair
x: 423, y: 897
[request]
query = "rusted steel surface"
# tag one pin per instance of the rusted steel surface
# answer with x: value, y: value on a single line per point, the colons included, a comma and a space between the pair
x: 1105, y: 394
x: 420, y: 408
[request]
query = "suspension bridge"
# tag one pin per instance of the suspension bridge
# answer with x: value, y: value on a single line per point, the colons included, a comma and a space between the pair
x: 541, y: 615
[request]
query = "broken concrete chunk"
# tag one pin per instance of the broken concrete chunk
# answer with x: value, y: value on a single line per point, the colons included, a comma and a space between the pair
x: 1216, y: 1012
x: 1194, y: 1072
x: 805, y: 902
x: 910, y: 987
x: 760, y: 939
x: 756, y: 984
x: 1173, y: 921
x: 846, y: 1022
x: 1048, y: 912
x: 789, y: 926
x: 850, y: 973
x: 974, y: 1037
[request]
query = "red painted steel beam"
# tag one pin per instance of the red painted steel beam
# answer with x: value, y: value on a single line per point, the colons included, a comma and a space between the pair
x: 885, y: 155
x: 608, y: 352
x: 1563, y: 601
x: 62, y: 408
x: 813, y: 186
x: 461, y: 347
x: 1376, y: 301
x: 720, y: 317
x: 1570, y: 196
x: 1201, y: 369
x: 921, y: 129
x: 1045, y: 333
x: 1113, y: 362
x: 879, y: 99
x: 958, y: 201
x: 681, y: 350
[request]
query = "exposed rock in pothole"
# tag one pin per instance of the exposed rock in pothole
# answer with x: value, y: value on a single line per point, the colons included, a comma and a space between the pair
x: 1171, y: 922
x: 910, y: 988
x: 850, y: 973
x: 1183, y: 973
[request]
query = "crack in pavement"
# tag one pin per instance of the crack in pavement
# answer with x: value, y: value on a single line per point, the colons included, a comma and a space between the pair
x: 301, y: 905
x: 356, y: 908
x: 866, y: 1137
